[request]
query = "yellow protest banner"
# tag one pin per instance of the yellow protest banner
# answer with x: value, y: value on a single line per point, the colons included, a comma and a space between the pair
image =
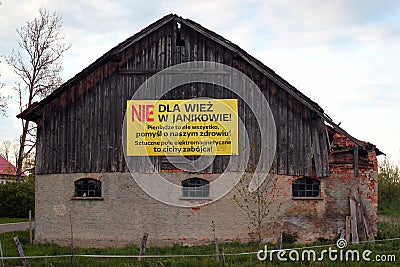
x: 182, y: 127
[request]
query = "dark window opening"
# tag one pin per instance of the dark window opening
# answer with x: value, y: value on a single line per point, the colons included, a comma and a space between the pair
x: 306, y: 187
x: 195, y: 187
x: 87, y: 187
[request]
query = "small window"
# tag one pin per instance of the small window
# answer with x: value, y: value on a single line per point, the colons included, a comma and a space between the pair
x: 87, y: 187
x: 306, y: 187
x: 195, y: 188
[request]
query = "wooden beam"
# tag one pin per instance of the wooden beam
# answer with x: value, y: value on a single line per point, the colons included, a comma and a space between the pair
x: 356, y: 167
x: 353, y: 221
x: 348, y: 227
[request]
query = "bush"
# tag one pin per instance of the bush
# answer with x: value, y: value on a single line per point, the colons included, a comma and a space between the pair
x: 389, y: 188
x: 388, y: 181
x: 16, y: 199
x: 388, y: 230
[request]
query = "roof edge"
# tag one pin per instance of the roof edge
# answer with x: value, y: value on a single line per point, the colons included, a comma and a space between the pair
x: 28, y: 113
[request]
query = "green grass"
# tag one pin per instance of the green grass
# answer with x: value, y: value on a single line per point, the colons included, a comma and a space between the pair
x: 388, y: 230
x: 9, y: 249
x: 4, y: 220
x: 389, y: 207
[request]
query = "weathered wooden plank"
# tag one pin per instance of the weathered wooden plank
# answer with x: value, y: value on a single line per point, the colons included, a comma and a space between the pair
x: 282, y: 142
x: 271, y: 90
x: 356, y: 166
x: 300, y: 162
x: 39, y: 146
x: 102, y: 129
x: 193, y: 52
x: 308, y: 155
x: 250, y: 126
x: 66, y: 124
x: 72, y: 132
x: 48, y: 141
x: 153, y: 53
x: 110, y: 131
x: 264, y: 140
x: 117, y: 141
x: 323, y: 139
x: 98, y: 127
x: 202, y: 91
x: 87, y: 124
x: 265, y: 124
x: 79, y: 130
x: 51, y: 141
x: 291, y: 137
x: 113, y: 128
x: 88, y: 128
x: 161, y: 50
x: 353, y: 215
x: 61, y: 141
x: 85, y: 131
x: 316, y: 147
x: 59, y: 151
x: 55, y: 139
x: 80, y: 117
x: 321, y: 149
x: 120, y: 120
x: 362, y: 235
x: 41, y: 165
x: 119, y: 111
x: 128, y: 83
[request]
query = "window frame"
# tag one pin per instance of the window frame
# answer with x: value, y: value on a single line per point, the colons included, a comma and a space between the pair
x: 306, y: 188
x: 195, y: 188
x: 91, y: 186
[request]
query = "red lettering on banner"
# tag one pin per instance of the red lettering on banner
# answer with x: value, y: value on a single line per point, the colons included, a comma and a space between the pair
x: 142, y: 113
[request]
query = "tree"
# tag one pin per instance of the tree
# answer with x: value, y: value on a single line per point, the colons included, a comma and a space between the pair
x: 388, y: 181
x: 9, y: 150
x: 16, y: 199
x: 257, y: 204
x: 38, y: 67
x: 3, y: 100
x: 5, y: 149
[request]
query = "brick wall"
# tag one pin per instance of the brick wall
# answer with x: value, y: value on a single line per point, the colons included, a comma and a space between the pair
x: 126, y: 212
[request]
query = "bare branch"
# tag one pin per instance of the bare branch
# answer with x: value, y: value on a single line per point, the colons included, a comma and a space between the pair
x: 3, y: 100
x: 5, y: 149
x: 257, y: 204
x: 38, y: 66
x: 27, y: 154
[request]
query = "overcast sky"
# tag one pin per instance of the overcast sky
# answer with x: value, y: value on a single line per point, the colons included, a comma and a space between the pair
x: 343, y: 54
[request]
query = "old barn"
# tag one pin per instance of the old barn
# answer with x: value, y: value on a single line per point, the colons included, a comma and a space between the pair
x: 325, y: 179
